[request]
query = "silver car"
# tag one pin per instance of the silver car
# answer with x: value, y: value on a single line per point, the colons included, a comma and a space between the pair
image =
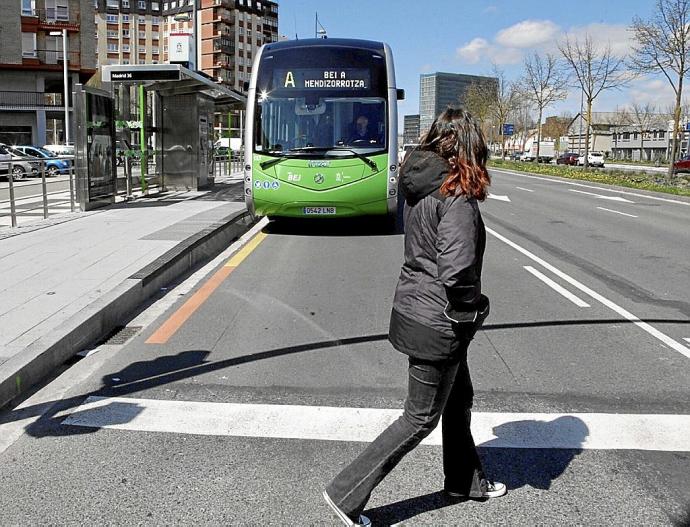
x: 21, y: 164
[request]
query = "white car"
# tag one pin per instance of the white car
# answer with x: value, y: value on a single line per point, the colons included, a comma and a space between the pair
x: 60, y: 150
x: 594, y: 159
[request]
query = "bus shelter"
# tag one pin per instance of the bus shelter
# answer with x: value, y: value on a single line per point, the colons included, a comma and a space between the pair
x: 179, y: 131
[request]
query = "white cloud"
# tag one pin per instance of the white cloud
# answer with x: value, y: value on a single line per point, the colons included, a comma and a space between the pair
x: 479, y: 49
x: 617, y: 36
x: 655, y: 91
x: 473, y: 51
x: 527, y: 34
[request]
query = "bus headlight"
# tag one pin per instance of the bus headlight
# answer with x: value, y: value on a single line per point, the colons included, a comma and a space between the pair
x: 392, y: 192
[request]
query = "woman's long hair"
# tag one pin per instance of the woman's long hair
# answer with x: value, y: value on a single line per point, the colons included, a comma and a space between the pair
x: 456, y: 136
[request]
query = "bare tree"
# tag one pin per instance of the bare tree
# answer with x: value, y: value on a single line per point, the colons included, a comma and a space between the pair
x: 643, y: 116
x: 503, y: 100
x: 477, y: 101
x: 543, y: 83
x: 620, y: 118
x: 662, y: 45
x: 595, y: 69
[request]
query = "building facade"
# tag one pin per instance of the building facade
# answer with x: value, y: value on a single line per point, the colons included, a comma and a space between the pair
x: 128, y: 31
x: 31, y: 66
x: 411, y: 129
x: 438, y: 91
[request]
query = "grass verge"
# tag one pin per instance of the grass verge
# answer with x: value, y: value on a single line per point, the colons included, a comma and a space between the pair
x: 679, y: 185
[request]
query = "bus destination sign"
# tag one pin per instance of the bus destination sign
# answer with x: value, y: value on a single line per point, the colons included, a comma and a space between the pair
x: 322, y: 79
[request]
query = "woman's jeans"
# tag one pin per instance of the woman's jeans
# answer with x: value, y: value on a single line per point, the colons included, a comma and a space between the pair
x: 435, y: 389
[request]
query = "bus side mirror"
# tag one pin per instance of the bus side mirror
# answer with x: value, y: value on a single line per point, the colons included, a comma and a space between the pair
x: 401, y: 94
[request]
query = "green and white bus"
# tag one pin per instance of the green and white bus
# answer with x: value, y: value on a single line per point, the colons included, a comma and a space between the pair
x: 321, y: 133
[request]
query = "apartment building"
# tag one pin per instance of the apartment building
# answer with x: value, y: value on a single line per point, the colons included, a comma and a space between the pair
x: 129, y: 31
x: 31, y: 66
x: 228, y: 34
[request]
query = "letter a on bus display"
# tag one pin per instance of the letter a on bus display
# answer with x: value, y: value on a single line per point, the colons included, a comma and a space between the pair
x: 289, y: 80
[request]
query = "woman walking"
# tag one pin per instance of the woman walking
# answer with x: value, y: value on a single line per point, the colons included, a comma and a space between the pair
x: 438, y: 307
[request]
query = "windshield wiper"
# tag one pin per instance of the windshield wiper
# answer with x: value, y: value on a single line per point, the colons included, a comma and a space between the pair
x: 370, y: 163
x: 268, y: 164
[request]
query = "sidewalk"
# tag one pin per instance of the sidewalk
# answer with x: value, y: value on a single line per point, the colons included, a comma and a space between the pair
x: 72, y: 279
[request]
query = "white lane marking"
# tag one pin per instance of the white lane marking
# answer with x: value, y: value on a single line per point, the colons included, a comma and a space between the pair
x: 617, y: 212
x: 559, y: 289
x: 601, y: 196
x: 525, y: 189
x: 504, y: 430
x: 683, y: 350
x: 552, y: 180
x: 686, y: 339
x: 498, y: 197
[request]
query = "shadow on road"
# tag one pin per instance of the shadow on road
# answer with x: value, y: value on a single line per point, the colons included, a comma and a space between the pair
x: 514, y: 465
x: 334, y: 227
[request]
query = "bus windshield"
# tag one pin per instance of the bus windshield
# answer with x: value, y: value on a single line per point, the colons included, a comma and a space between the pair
x: 319, y: 98
x: 290, y: 123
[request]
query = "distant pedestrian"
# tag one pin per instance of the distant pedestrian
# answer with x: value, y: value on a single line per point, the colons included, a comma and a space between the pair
x: 438, y: 307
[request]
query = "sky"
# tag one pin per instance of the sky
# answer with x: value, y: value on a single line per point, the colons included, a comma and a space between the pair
x: 467, y: 36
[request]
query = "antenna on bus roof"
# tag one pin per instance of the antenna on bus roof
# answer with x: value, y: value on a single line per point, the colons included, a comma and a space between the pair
x: 319, y: 33
x: 296, y: 36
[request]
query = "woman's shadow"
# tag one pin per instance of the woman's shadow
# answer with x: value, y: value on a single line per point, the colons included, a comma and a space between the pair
x: 523, y: 453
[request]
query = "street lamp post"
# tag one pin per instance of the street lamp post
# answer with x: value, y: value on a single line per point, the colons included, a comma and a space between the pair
x: 65, y: 79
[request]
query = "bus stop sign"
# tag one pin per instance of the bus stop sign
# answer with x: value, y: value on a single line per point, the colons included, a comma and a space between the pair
x: 508, y: 129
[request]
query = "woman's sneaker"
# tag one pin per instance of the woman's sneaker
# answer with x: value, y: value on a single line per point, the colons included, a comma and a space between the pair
x: 488, y: 489
x: 362, y: 521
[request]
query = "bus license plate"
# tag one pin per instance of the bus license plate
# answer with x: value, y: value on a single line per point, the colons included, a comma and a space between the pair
x: 319, y: 210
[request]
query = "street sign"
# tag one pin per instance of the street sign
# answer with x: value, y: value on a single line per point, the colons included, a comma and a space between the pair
x: 687, y: 127
x: 508, y: 129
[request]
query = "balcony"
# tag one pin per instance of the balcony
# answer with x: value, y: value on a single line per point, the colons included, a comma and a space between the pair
x: 57, y: 19
x: 23, y: 100
x: 47, y: 59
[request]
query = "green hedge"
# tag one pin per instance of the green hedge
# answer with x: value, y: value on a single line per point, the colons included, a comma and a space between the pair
x: 680, y: 184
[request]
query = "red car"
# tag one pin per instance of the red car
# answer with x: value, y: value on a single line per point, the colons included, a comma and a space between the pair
x: 567, y: 158
x: 682, y: 165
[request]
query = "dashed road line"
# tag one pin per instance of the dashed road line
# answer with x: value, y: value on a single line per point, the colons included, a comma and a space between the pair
x: 556, y: 287
x: 677, y: 346
x: 525, y: 189
x: 617, y: 212
x: 601, y: 431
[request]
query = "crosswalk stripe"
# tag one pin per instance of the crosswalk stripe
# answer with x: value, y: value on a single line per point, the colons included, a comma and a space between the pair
x: 599, y: 431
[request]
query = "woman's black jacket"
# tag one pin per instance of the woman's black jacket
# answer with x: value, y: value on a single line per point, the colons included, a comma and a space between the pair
x: 438, y: 303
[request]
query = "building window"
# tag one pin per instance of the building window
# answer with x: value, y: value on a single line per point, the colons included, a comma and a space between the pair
x: 112, y: 34
x: 57, y: 9
x: 125, y: 3
x: 125, y: 33
x: 111, y: 19
x: 125, y: 19
x: 125, y: 61
x: 154, y: 50
x: 142, y: 21
x: 28, y: 7
x: 155, y: 20
x: 155, y: 6
x: 112, y: 3
x: 29, y: 45
x: 142, y: 35
x: 112, y: 47
x: 125, y: 48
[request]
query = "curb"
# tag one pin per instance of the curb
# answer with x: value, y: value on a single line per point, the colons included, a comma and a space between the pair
x: 101, y: 317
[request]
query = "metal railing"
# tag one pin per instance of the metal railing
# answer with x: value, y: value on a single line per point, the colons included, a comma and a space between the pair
x: 20, y: 168
x: 228, y: 165
x: 30, y: 99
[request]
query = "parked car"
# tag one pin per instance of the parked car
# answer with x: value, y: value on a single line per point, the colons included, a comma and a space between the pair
x: 682, y: 165
x: 5, y: 158
x: 567, y: 158
x: 53, y: 166
x: 60, y: 150
x: 526, y: 156
x: 594, y: 159
x: 22, y: 165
